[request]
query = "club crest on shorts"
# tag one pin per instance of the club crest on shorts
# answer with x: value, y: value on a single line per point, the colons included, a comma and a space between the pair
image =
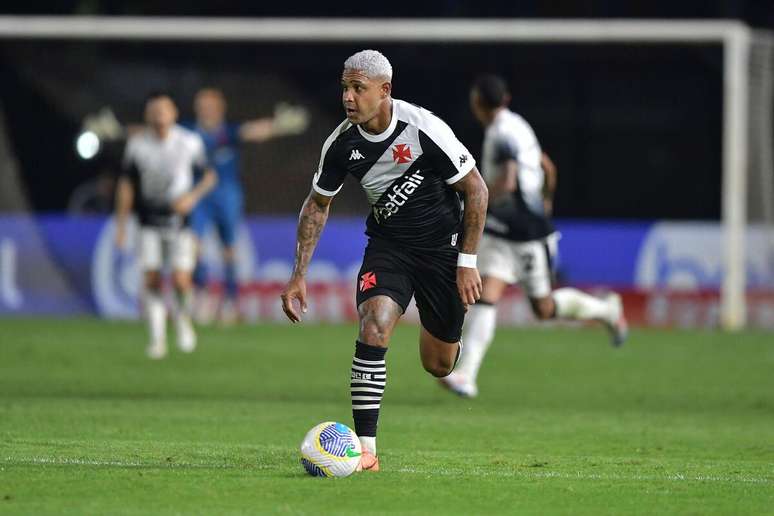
x: 367, y: 280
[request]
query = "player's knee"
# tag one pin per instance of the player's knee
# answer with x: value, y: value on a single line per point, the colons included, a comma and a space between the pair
x: 374, y: 334
x: 229, y: 254
x: 378, y: 316
x: 182, y: 280
x: 153, y: 281
x: 543, y: 308
x: 374, y: 328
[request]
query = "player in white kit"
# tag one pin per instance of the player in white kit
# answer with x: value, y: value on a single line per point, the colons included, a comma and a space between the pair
x: 158, y: 181
x: 519, y: 241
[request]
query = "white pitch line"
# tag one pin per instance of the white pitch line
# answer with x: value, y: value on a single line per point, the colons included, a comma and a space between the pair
x: 27, y: 461
x: 675, y: 477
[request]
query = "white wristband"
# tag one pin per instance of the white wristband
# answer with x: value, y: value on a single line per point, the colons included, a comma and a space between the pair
x: 466, y: 260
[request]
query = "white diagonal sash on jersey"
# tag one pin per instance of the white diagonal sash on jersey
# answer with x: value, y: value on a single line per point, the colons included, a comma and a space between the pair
x: 385, y: 171
x: 397, y: 194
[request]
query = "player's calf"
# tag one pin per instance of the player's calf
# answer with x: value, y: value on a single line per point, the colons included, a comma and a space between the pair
x: 156, y: 315
x: 438, y: 367
x: 367, y: 382
x: 438, y: 357
x: 186, y: 335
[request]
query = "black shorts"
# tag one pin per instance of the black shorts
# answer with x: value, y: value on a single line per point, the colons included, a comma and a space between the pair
x: 429, y: 276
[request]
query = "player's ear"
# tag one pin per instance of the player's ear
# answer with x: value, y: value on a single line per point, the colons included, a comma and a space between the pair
x: 386, y: 89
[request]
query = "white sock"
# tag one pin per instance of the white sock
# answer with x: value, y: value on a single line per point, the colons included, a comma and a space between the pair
x: 477, y: 334
x: 156, y: 312
x: 573, y: 304
x: 368, y: 444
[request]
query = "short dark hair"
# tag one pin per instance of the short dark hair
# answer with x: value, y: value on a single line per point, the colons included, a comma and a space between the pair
x: 492, y: 90
x: 158, y: 94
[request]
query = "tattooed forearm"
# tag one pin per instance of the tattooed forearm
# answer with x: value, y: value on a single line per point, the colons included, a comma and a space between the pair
x: 314, y: 214
x: 476, y: 195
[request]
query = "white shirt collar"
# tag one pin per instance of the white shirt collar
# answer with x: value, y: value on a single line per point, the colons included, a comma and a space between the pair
x: 376, y: 138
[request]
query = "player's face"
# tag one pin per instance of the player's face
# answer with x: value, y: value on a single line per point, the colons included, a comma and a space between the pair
x: 361, y: 96
x: 476, y: 107
x: 210, y: 107
x: 160, y: 114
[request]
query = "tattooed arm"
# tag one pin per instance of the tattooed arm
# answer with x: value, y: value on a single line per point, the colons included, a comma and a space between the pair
x: 476, y: 196
x: 314, y: 214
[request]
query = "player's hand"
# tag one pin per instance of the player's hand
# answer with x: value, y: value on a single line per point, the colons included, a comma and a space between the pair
x: 468, y: 285
x: 289, y: 120
x: 294, y: 290
x: 184, y: 204
x: 548, y: 206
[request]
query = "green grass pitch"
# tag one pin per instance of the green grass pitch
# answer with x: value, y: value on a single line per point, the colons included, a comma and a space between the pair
x: 673, y: 423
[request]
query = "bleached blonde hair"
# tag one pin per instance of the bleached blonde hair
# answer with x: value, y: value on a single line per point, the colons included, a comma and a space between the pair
x: 371, y: 62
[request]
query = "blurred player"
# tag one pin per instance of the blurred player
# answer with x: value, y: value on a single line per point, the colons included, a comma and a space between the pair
x: 519, y: 239
x: 413, y: 170
x: 158, y: 182
x: 223, y: 206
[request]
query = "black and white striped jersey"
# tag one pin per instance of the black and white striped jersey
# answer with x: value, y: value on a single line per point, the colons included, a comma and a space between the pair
x: 405, y: 172
x: 519, y: 217
x: 161, y: 171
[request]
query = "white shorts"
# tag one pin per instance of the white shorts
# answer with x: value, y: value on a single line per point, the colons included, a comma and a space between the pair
x: 528, y: 263
x: 161, y: 248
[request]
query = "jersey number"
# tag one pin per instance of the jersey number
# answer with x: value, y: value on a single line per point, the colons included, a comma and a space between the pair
x: 528, y: 262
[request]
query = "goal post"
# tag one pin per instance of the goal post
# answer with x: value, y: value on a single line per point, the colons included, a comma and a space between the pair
x: 734, y: 36
x: 736, y: 55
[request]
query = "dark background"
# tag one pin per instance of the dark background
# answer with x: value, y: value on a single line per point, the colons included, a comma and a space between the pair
x: 757, y: 13
x: 635, y: 130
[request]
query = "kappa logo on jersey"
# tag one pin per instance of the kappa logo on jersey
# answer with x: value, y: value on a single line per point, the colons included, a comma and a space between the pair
x: 398, y: 195
x: 367, y: 280
x: 401, y: 153
x: 463, y: 159
x: 356, y: 155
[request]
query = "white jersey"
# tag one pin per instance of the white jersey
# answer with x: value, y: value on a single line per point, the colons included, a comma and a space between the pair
x: 162, y: 171
x: 520, y: 216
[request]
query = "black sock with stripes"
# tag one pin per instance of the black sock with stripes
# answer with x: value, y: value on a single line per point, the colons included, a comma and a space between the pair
x: 369, y: 377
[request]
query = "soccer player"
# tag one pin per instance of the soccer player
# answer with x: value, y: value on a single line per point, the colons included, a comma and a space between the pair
x: 519, y: 238
x: 158, y: 182
x: 223, y: 206
x: 413, y: 170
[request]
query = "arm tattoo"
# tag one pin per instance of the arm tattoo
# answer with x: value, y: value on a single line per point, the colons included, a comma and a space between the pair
x: 476, y: 198
x: 310, y: 224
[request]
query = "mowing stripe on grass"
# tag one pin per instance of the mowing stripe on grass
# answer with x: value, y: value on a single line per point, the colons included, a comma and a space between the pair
x: 472, y: 472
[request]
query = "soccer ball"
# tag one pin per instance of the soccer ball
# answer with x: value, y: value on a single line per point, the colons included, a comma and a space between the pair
x: 330, y: 450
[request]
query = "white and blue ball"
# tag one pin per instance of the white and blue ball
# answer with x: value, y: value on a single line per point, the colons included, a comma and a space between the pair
x: 330, y: 450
